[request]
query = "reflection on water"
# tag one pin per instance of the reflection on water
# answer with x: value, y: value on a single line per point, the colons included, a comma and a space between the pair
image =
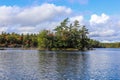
x: 63, y: 66
x: 99, y: 64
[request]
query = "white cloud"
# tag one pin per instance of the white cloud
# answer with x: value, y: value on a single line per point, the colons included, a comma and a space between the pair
x: 26, y: 28
x: 104, y: 33
x: 42, y: 13
x: 107, y: 41
x: 105, y: 29
x: 14, y: 17
x: 95, y: 19
x: 3, y: 29
x: 79, y: 18
x: 118, y: 23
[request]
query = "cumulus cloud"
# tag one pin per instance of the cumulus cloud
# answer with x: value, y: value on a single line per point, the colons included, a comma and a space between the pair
x: 104, y: 33
x: 42, y: 13
x: 3, y: 29
x: 118, y: 23
x: 95, y: 19
x: 104, y: 28
x: 79, y: 18
x: 17, y: 17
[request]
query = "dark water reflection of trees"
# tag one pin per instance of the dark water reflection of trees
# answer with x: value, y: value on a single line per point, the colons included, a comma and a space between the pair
x: 63, y: 65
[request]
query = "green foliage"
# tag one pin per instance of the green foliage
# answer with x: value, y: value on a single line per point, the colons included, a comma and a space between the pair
x: 66, y: 35
x: 94, y: 43
x: 18, y: 40
x: 111, y: 45
x: 42, y: 39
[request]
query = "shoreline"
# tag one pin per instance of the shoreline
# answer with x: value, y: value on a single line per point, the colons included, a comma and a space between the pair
x: 43, y: 49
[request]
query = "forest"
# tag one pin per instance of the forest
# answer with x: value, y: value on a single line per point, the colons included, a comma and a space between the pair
x: 65, y: 36
x: 111, y: 45
x: 14, y: 40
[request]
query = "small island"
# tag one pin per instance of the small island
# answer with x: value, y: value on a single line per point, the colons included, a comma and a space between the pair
x: 66, y: 36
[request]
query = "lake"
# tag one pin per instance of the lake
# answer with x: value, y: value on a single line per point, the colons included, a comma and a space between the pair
x: 98, y: 64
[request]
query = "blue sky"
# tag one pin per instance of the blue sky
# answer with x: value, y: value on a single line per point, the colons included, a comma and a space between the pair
x: 30, y: 16
x: 95, y: 6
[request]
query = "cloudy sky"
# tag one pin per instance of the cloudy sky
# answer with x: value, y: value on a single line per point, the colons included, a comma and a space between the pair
x: 101, y: 17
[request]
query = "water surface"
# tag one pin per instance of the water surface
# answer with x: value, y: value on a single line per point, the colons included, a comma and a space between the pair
x: 98, y: 64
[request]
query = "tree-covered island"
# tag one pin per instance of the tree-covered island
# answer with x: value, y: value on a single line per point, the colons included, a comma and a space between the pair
x: 65, y: 36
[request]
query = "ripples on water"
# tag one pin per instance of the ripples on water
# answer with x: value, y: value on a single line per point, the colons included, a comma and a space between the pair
x: 99, y: 64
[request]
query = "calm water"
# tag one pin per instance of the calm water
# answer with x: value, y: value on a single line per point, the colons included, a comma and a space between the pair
x: 99, y: 64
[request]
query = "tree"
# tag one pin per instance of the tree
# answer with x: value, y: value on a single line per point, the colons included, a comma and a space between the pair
x: 42, y: 39
x: 61, y: 33
x: 84, y: 38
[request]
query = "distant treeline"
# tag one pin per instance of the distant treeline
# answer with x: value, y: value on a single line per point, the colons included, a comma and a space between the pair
x: 18, y: 40
x: 111, y: 45
x: 65, y: 36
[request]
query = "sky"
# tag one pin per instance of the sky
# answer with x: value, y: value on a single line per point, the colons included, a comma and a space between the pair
x: 101, y: 17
